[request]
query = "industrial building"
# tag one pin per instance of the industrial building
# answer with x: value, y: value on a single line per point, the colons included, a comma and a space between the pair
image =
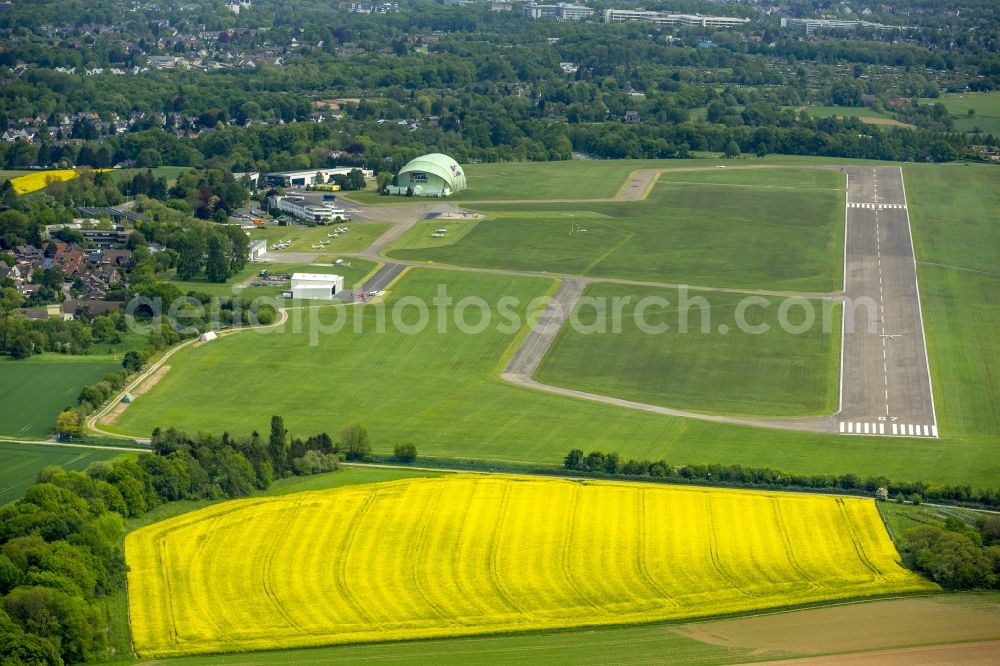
x: 305, y: 209
x: 433, y: 175
x: 316, y: 286
x: 310, y: 177
x: 668, y: 18
x: 809, y: 24
x: 564, y: 11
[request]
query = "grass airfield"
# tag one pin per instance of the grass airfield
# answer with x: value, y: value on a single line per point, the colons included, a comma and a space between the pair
x: 733, y: 229
x: 407, y: 388
x: 714, y: 367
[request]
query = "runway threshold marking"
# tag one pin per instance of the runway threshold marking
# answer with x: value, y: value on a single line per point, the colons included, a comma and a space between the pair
x: 895, y: 429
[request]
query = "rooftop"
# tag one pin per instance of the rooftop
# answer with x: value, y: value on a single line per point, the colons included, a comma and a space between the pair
x: 317, y: 277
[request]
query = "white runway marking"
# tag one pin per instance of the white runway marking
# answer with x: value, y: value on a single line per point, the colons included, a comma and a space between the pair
x: 875, y: 206
x: 897, y: 430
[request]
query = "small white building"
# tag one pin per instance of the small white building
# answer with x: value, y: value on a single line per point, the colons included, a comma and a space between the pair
x: 316, y: 286
x: 207, y: 336
x: 257, y: 250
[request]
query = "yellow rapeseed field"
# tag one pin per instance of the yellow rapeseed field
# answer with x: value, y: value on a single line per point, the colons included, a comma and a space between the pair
x: 32, y: 182
x: 471, y: 554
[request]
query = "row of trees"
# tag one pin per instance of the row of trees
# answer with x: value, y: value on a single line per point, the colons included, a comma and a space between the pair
x: 612, y: 464
x: 60, y: 545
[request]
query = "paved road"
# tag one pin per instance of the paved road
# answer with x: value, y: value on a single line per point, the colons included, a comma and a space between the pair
x: 885, y: 382
x: 529, y: 355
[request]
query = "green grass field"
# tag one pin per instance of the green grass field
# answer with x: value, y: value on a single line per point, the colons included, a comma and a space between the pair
x: 901, y: 517
x: 168, y: 172
x: 774, y: 373
x: 443, y: 393
x: 421, y: 234
x: 953, y: 211
x: 241, y: 284
x: 873, y: 625
x: 712, y: 234
x: 22, y: 462
x: 571, y: 179
x: 33, y: 391
x: 7, y: 174
x: 303, y: 238
x: 986, y: 105
x: 843, y: 111
x: 784, y: 178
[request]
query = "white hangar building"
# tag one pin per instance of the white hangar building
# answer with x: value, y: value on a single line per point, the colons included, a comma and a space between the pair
x: 316, y: 286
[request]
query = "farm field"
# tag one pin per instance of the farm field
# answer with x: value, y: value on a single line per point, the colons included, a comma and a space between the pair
x: 358, y: 237
x: 775, y: 373
x: 168, y: 172
x: 22, y: 462
x: 986, y: 106
x: 719, y: 234
x: 33, y: 391
x: 863, y: 113
x: 36, y: 180
x: 443, y: 392
x: 874, y: 625
x: 8, y: 174
x: 519, y: 558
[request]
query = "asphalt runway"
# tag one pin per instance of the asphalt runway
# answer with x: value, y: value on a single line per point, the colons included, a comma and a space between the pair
x: 550, y: 321
x: 885, y: 385
x: 885, y: 382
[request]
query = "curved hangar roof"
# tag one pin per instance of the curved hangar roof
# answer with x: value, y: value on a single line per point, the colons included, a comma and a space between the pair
x: 439, y: 165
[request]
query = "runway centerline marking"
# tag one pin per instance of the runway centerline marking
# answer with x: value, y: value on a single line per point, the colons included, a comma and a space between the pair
x: 881, y: 307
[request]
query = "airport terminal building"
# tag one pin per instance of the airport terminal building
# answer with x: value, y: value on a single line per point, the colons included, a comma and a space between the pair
x: 433, y: 175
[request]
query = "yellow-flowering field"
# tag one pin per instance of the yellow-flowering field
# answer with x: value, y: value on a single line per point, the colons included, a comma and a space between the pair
x: 469, y: 554
x: 32, y: 182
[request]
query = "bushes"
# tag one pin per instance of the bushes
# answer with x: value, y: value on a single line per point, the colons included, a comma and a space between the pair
x: 596, y: 462
x: 955, y: 556
x: 60, y: 549
x: 404, y: 452
x: 316, y: 462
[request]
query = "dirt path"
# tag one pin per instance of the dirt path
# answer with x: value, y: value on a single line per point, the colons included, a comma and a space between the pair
x: 91, y: 424
x: 150, y: 381
x: 986, y: 653
x: 529, y: 355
